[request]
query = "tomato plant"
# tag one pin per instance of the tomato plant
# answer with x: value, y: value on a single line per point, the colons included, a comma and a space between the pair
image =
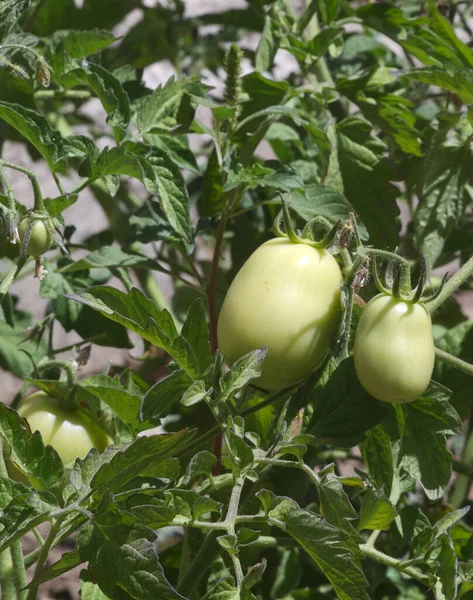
x: 70, y: 432
x: 240, y: 218
x: 394, y: 349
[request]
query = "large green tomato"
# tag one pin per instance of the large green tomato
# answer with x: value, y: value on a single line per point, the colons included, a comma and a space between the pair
x: 394, y: 349
x: 71, y: 433
x: 287, y: 297
x: 40, y: 237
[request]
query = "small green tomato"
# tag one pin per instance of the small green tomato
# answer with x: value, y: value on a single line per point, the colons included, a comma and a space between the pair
x: 71, y: 433
x: 40, y: 237
x: 287, y: 297
x: 394, y: 349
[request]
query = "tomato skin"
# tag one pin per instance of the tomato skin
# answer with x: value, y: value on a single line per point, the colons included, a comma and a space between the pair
x: 287, y: 297
x: 40, y: 238
x: 71, y: 433
x: 394, y: 349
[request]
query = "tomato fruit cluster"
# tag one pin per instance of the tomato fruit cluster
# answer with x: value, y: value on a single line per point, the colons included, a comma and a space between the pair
x: 286, y: 297
x: 71, y: 433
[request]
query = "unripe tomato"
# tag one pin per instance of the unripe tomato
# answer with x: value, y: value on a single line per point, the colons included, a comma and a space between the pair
x: 40, y: 237
x: 71, y: 433
x: 394, y: 349
x: 287, y: 297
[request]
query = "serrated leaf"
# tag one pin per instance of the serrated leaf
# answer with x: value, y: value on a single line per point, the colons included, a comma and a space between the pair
x: 376, y: 511
x: 367, y: 176
x: 377, y: 455
x: 141, y: 457
x: 68, y: 561
x: 108, y: 89
x: 37, y: 130
x: 243, y: 371
x: 79, y: 44
x: 27, y: 451
x: 160, y: 398
x: 445, y: 190
x: 196, y: 332
x: 424, y: 453
x: 139, y: 314
x: 326, y: 545
x: 267, y: 47
x: 342, y: 410
x: 194, y: 394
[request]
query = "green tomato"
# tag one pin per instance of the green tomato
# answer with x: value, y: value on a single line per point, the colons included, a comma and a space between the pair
x: 287, y: 297
x: 71, y: 433
x: 40, y: 237
x: 394, y: 349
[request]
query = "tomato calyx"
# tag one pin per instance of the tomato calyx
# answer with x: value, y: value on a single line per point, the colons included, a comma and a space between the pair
x: 398, y: 281
x: 330, y: 230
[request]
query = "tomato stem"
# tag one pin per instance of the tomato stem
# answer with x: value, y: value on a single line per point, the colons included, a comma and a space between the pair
x: 38, y: 197
x: 11, y: 583
x: 43, y: 556
x: 452, y: 285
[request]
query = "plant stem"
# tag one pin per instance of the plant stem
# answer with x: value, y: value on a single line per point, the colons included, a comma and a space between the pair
x: 38, y: 197
x: 10, y: 277
x: 200, y: 564
x: 43, y: 556
x: 12, y: 578
x: 452, y: 285
x: 389, y: 561
x: 213, y: 283
x: 230, y: 519
x: 74, y: 94
x: 455, y: 362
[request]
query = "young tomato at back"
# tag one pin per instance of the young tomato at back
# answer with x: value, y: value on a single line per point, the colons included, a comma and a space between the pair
x: 394, y: 349
x: 287, y: 297
x: 70, y: 432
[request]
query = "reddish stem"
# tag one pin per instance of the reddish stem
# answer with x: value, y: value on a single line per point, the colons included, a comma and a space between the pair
x: 211, y: 301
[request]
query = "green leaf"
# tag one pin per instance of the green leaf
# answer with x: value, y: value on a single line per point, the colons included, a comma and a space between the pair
x: 200, y: 464
x: 24, y: 512
x: 445, y: 190
x: 37, y: 130
x: 139, y: 314
x: 28, y: 453
x: 159, y: 175
x: 376, y: 511
x: 337, y: 509
x: 57, y: 206
x: 244, y: 370
x: 267, y: 47
x: 108, y: 90
x: 80, y: 318
x: 377, y: 456
x: 367, y: 176
x: 124, y: 403
x: 195, y: 393
x: 90, y: 590
x: 142, y: 457
x: 68, y: 561
x: 316, y: 47
x: 161, y: 397
x: 177, y: 148
x: 79, y: 44
x: 210, y: 200
x: 118, y: 558
x: 424, y: 452
x: 13, y: 348
x: 444, y: 564
x: 455, y: 81
x: 326, y: 545
x: 196, y: 332
x: 321, y: 200
x: 342, y: 410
